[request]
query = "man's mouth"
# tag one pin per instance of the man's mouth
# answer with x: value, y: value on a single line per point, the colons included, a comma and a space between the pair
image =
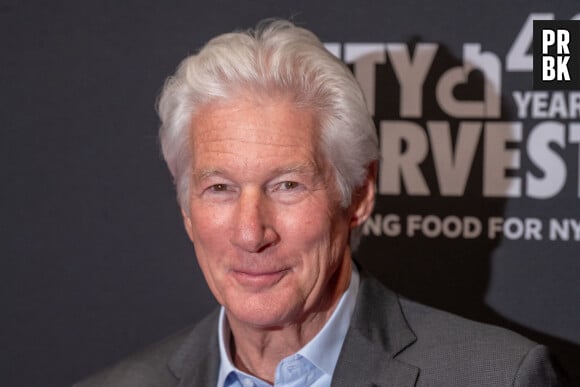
x: 258, y: 278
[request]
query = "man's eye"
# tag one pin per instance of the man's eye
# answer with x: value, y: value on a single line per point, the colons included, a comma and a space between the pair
x: 289, y: 185
x: 219, y: 187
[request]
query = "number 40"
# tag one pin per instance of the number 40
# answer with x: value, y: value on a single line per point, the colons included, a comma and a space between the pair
x: 518, y: 59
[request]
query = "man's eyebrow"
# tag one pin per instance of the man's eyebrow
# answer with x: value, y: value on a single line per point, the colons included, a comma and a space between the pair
x: 207, y: 173
x: 305, y: 168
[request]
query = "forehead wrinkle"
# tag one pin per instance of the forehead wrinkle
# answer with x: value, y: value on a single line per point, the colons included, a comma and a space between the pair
x: 220, y: 148
x: 246, y: 141
x: 248, y: 136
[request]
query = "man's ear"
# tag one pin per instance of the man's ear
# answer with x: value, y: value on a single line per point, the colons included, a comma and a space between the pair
x: 187, y: 224
x: 363, y: 199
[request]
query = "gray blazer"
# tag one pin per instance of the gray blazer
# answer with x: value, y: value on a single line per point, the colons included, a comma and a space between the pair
x: 391, y: 342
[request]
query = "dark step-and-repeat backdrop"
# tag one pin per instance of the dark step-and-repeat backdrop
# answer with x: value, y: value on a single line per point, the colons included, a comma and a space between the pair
x: 478, y: 210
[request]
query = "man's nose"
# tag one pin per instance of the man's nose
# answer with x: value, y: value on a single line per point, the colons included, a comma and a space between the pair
x: 253, y: 230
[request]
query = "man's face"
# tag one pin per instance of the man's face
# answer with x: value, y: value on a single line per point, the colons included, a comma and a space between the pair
x: 264, y: 216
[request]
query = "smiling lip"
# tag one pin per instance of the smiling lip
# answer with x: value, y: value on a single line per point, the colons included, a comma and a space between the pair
x: 254, y: 279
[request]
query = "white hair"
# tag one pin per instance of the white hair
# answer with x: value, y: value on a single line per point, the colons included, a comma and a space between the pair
x: 275, y: 57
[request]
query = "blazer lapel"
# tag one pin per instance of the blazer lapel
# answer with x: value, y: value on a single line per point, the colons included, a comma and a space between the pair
x: 378, y: 333
x: 196, y: 363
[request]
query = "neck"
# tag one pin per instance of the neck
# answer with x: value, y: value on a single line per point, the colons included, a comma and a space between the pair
x: 258, y: 350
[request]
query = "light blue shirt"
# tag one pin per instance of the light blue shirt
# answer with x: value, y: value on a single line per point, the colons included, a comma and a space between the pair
x: 311, y: 366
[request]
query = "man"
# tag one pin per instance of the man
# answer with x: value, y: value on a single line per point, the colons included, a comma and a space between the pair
x: 274, y: 156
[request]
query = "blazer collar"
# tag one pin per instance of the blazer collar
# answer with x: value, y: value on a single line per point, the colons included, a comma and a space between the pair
x: 197, y: 360
x: 378, y: 333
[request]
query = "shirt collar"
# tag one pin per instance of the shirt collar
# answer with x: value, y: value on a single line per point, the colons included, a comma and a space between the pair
x: 226, y: 366
x: 323, y: 350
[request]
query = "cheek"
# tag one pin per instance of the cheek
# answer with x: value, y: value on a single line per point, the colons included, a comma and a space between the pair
x: 207, y: 232
x: 314, y: 235
x: 319, y: 221
x: 205, y: 218
x: 208, y: 229
x: 305, y: 225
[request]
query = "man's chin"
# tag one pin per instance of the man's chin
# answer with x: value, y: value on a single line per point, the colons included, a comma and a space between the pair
x: 265, y: 315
